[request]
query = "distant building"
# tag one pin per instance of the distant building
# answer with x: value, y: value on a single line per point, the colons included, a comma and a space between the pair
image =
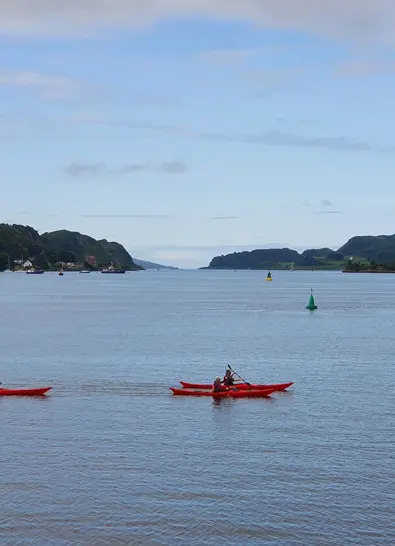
x: 28, y: 263
x: 73, y: 265
x: 91, y: 260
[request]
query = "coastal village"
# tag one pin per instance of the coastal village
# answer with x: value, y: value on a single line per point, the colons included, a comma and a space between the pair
x: 29, y: 263
x: 89, y: 264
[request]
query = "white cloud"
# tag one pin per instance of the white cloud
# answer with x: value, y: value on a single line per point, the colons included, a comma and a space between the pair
x: 48, y: 87
x: 78, y: 169
x: 358, y: 19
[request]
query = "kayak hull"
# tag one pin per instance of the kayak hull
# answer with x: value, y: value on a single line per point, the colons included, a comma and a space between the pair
x: 24, y: 392
x: 231, y: 393
x: 241, y: 386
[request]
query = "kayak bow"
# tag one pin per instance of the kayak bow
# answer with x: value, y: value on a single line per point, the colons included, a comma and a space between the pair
x: 231, y: 393
x: 24, y: 392
x: 241, y: 386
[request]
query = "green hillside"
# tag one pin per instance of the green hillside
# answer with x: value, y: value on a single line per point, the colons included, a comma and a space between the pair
x: 22, y: 242
x: 361, y: 253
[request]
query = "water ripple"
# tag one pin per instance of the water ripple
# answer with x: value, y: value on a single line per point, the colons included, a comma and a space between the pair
x: 111, y: 457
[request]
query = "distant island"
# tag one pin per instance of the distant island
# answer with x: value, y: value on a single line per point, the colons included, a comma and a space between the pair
x: 22, y: 246
x: 361, y: 254
x: 152, y: 265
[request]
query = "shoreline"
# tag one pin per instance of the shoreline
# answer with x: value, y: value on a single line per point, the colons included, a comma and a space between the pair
x: 369, y: 271
x: 382, y: 271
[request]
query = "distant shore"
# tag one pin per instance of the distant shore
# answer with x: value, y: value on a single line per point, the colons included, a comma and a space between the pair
x: 370, y: 271
x: 382, y: 271
x: 263, y: 269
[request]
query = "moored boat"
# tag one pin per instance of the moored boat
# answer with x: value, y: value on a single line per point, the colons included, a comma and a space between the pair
x: 34, y: 271
x: 111, y: 269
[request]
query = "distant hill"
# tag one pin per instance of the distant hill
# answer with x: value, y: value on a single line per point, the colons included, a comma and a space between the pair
x: 152, y: 265
x: 17, y: 241
x: 380, y: 248
x: 317, y: 252
x: 282, y: 258
x: 71, y: 246
x: 365, y: 251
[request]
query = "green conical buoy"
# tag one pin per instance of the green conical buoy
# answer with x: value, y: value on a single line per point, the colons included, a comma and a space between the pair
x: 311, y: 306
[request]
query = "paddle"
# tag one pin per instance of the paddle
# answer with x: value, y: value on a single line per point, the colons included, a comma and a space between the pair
x: 244, y: 381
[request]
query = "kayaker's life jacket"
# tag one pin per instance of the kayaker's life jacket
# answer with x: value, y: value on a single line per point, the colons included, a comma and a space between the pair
x: 228, y: 380
x: 217, y: 387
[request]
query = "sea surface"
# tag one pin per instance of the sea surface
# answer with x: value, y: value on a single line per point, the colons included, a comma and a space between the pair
x: 111, y: 457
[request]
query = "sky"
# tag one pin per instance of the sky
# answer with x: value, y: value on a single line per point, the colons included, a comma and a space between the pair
x: 187, y: 129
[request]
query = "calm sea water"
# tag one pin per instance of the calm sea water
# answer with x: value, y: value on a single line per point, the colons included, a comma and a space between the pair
x: 111, y: 457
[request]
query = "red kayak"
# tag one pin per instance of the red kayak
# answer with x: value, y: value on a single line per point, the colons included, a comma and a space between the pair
x: 24, y: 392
x: 240, y: 386
x: 231, y: 393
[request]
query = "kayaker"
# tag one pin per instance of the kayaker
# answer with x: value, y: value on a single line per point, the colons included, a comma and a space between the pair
x: 228, y: 380
x: 217, y: 385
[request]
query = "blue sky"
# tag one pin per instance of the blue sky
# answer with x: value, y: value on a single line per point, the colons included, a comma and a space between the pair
x: 188, y: 129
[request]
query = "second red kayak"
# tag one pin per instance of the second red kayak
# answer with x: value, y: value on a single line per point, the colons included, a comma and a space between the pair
x: 24, y: 392
x: 240, y: 386
x: 231, y: 393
